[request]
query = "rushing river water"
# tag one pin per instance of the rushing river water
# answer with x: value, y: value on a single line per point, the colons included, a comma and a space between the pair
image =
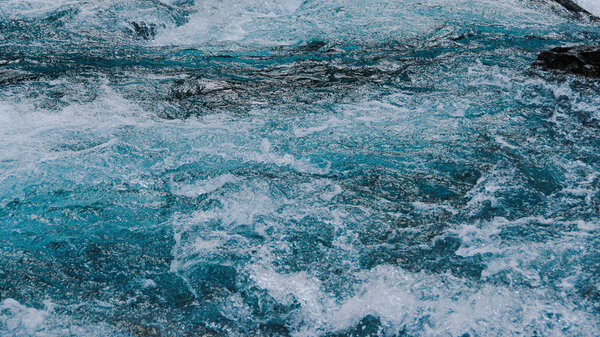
x: 296, y: 168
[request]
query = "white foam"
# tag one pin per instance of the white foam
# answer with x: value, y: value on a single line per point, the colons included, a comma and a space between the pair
x: 297, y: 286
x: 148, y: 283
x: 226, y: 20
x: 268, y: 156
x: 592, y: 6
x: 204, y: 186
x: 305, y: 131
x: 489, y: 186
x: 17, y: 319
x: 422, y: 206
x: 25, y: 8
x: 30, y: 135
x: 293, y: 21
x: 207, y: 232
x: 423, y: 303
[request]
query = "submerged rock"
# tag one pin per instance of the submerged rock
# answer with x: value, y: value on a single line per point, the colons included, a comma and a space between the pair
x: 581, y: 60
x: 143, y: 30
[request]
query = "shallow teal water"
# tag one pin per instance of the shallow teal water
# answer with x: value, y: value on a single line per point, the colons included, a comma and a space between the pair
x: 293, y: 168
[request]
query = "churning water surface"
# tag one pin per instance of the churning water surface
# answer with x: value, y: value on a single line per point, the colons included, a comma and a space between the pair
x: 296, y: 168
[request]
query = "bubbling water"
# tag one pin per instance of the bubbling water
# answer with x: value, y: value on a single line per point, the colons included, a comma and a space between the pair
x: 295, y: 168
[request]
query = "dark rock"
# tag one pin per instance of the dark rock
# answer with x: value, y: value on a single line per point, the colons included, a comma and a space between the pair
x: 143, y: 30
x: 581, y: 60
x: 576, y: 9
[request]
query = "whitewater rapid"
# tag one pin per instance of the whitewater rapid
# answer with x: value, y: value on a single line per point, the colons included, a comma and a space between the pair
x: 296, y: 168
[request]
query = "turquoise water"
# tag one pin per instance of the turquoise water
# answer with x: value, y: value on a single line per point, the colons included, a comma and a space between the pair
x: 296, y: 168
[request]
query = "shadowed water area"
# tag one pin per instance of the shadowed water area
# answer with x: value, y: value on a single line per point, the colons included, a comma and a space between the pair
x: 296, y: 168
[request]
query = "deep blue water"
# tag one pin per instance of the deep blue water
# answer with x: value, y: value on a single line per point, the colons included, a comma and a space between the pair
x: 296, y: 168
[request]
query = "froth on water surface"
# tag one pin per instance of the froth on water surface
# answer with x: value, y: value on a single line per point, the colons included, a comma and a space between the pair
x: 296, y: 168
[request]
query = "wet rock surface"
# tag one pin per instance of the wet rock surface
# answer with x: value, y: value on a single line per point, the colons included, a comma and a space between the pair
x: 143, y: 30
x: 581, y: 60
x: 576, y: 9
